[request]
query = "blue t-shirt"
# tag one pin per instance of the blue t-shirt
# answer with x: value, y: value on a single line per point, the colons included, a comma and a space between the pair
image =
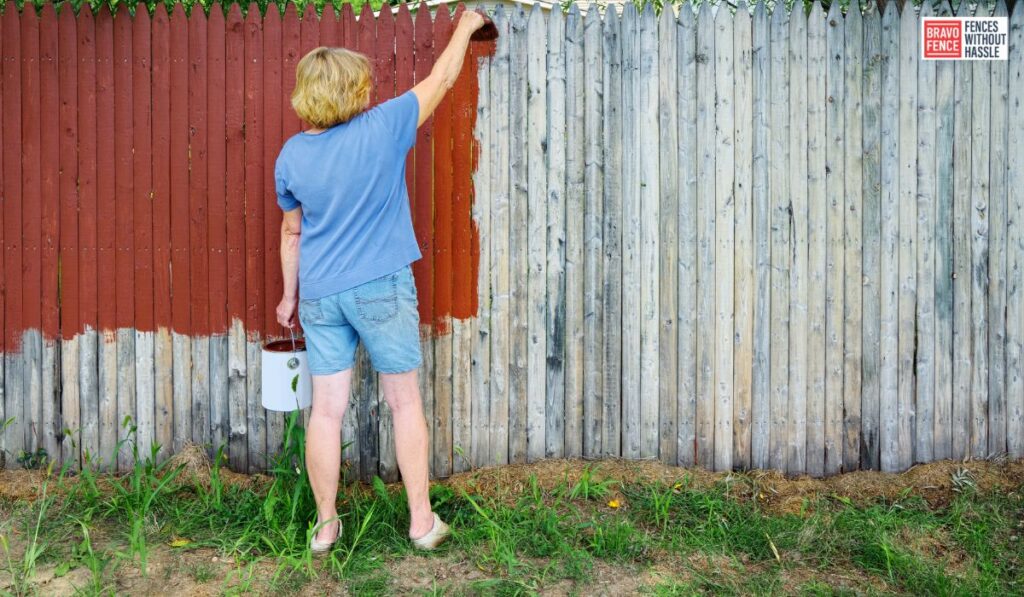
x: 350, y: 182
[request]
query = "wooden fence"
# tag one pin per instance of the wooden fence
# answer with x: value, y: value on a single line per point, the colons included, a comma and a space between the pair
x: 732, y: 240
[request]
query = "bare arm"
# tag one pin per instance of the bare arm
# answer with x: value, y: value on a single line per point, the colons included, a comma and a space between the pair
x: 430, y: 91
x: 291, y: 231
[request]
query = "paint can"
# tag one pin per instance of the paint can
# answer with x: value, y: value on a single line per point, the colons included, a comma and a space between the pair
x: 286, y: 382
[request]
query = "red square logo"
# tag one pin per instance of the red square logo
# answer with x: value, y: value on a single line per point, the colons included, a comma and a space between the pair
x: 942, y: 38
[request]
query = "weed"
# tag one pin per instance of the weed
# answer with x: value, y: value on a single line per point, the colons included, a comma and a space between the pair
x: 590, y: 488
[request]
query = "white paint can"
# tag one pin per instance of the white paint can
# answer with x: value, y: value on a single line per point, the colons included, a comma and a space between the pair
x: 287, y: 385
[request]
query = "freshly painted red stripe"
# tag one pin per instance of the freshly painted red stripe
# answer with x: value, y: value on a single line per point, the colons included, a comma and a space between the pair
x: 384, y: 57
x: 105, y: 167
x: 86, y: 183
x: 234, y: 121
x: 217, y: 208
x: 49, y: 87
x: 272, y: 143
x: 254, y: 173
x: 124, y: 177
x: 31, y: 266
x: 330, y: 27
x: 179, y: 198
x: 161, y: 135
x: 199, y: 278
x: 3, y: 176
x: 464, y: 285
x: 142, y: 216
x: 423, y: 198
x: 310, y: 29
x: 348, y: 26
x: 443, y: 191
x: 404, y: 79
x: 68, y: 183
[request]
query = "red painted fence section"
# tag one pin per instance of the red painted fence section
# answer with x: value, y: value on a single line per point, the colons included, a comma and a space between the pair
x: 137, y: 165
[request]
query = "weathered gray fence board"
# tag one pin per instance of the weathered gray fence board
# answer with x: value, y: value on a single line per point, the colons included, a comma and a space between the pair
x: 981, y: 110
x: 760, y: 403
x: 593, y: 238
x: 819, y: 217
x: 908, y: 59
x: 781, y: 223
x: 686, y: 156
x: 1015, y: 244
x: 962, y: 92
x: 480, y: 353
x: 924, y: 399
x: 518, y: 238
x: 554, y: 328
x: 705, y: 214
x: 611, y: 439
x: 835, y: 235
x: 537, y: 155
x: 574, y: 236
x: 649, y: 217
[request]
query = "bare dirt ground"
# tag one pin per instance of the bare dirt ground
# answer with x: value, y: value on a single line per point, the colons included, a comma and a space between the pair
x: 201, y: 571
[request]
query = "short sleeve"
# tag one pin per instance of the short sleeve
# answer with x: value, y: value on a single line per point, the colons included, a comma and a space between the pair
x: 400, y: 116
x: 285, y: 200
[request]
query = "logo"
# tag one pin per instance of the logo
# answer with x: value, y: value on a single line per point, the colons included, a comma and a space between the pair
x: 964, y: 38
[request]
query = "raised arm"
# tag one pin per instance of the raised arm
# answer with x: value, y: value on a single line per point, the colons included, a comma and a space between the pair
x: 446, y: 69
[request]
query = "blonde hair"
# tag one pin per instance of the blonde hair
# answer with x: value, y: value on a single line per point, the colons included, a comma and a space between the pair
x: 332, y: 85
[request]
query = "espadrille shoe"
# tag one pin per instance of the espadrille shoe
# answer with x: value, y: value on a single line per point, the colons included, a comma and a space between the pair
x: 436, y: 536
x: 322, y: 547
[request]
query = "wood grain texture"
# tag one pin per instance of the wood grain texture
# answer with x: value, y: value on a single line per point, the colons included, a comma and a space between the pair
x: 518, y: 239
x: 1015, y: 244
x: 650, y: 224
x: 630, y: 333
x: 611, y: 439
x: 760, y: 403
x: 555, y: 263
x: 980, y: 223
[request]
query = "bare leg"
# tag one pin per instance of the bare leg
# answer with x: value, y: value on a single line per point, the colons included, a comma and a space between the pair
x: 323, y: 445
x: 402, y: 393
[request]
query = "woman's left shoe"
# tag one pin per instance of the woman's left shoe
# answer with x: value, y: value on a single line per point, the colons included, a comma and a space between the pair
x: 436, y: 536
x: 320, y: 547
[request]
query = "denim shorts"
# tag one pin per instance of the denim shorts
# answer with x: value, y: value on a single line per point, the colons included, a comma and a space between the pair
x: 382, y: 313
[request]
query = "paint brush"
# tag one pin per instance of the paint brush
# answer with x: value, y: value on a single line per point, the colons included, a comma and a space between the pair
x: 486, y: 33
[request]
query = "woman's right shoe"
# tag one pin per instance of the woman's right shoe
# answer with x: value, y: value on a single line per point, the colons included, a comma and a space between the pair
x: 320, y: 547
x: 436, y: 536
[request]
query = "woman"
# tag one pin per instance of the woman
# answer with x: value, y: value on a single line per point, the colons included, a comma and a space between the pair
x: 346, y: 244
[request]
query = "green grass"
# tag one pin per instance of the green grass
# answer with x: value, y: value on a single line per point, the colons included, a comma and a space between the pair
x: 665, y: 539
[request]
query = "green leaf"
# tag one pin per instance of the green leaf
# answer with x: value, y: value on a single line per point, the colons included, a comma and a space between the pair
x: 295, y: 383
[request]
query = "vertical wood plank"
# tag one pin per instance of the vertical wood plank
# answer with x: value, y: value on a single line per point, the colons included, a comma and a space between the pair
x: 234, y: 123
x: 798, y: 279
x: 908, y: 57
x: 889, y: 240
x: 706, y: 312
x: 981, y: 155
x: 872, y: 61
x: 724, y: 235
x: 835, y: 238
x: 423, y: 219
x: 744, y: 280
x: 142, y: 241
x: 26, y: 402
x: 498, y: 449
x: 781, y: 222
x: 555, y: 267
x: 760, y: 403
x: 997, y: 256
x: 924, y: 399
x: 163, y: 389
x: 632, y: 392
x: 611, y: 440
x: 254, y: 213
x: 537, y: 141
x: 961, y: 418
x: 649, y: 223
x: 575, y: 239
x: 72, y: 181
x: 217, y: 233
x: 593, y: 238
x: 819, y: 215
x: 49, y: 368
x: 1015, y: 243
x: 462, y: 276
x: 443, y: 172
x: 943, y: 257
x: 853, y: 276
x: 6, y: 28
x: 199, y: 277
x: 686, y: 160
x: 480, y: 326
x: 105, y: 265
x: 668, y: 240
x: 518, y: 264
